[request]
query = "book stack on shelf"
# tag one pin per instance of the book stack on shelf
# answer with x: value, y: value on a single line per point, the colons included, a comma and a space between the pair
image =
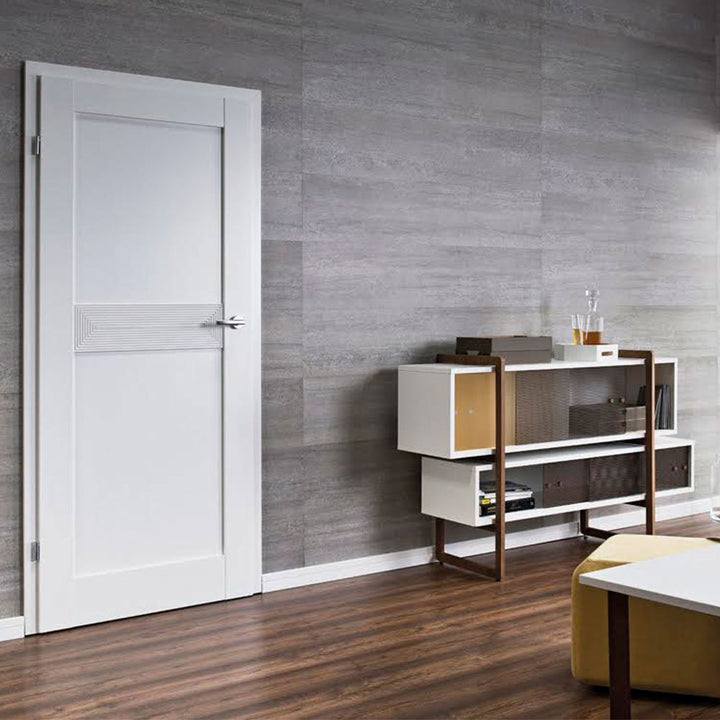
x: 517, y: 497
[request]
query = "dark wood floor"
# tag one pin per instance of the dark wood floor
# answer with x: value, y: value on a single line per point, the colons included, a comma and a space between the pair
x: 418, y: 643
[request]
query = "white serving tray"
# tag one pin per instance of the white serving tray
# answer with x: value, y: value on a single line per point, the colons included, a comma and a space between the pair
x: 586, y: 353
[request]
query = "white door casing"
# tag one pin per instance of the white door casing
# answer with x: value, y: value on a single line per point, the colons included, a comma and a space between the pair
x: 142, y: 415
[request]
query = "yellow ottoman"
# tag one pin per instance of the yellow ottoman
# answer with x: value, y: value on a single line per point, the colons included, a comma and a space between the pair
x: 671, y: 649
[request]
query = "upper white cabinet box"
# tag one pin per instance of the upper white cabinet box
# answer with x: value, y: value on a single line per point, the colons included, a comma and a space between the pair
x: 448, y: 411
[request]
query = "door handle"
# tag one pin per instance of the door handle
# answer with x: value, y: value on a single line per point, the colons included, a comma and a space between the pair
x: 233, y: 323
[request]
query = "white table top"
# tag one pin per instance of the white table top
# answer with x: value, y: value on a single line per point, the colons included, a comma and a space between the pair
x: 689, y: 580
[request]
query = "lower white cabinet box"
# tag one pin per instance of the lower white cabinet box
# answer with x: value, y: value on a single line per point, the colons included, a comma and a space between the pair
x: 562, y: 480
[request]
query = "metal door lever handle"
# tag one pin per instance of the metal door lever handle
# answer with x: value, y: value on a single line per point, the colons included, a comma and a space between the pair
x: 233, y: 323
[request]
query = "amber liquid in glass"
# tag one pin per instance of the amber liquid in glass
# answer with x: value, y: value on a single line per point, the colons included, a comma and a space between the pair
x: 592, y: 337
x: 577, y: 336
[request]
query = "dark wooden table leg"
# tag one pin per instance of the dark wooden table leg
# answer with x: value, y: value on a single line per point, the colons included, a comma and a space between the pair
x: 619, y: 656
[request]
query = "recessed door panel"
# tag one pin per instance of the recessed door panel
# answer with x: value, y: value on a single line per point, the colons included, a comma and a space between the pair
x: 148, y: 211
x: 148, y: 478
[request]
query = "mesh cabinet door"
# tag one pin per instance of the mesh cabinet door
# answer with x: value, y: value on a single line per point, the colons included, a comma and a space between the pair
x: 615, y: 476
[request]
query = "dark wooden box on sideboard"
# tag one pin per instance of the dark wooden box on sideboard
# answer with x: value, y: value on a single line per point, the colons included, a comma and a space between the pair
x: 609, y: 418
x: 514, y: 348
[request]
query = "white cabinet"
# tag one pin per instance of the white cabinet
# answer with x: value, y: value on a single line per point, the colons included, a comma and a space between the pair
x: 572, y: 441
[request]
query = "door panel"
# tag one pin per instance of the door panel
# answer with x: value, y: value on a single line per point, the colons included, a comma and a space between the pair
x: 616, y: 476
x: 148, y: 479
x: 672, y: 468
x: 565, y: 483
x: 148, y: 211
x: 148, y: 411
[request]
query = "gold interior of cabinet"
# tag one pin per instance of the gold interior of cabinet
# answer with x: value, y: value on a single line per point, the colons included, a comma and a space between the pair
x: 475, y: 410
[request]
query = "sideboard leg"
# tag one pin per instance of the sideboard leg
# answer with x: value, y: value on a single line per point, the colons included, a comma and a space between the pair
x: 649, y: 357
x: 498, y: 570
x: 588, y: 531
x: 650, y: 444
x: 446, y: 558
x: 500, y: 469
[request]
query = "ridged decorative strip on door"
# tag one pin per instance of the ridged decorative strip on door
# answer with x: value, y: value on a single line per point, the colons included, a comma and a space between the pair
x: 108, y: 328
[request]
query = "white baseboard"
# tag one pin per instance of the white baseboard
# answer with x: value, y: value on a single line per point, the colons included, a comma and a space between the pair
x: 12, y: 628
x: 298, y: 577
x: 664, y: 512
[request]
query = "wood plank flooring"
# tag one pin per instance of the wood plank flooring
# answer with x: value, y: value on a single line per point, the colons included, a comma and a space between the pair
x: 427, y: 642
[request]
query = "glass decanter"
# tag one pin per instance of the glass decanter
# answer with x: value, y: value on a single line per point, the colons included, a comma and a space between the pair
x: 594, y: 324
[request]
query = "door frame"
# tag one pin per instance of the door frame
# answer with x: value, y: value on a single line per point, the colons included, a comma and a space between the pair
x: 251, y: 180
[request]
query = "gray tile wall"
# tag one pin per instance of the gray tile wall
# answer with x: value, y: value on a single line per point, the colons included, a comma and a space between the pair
x: 430, y: 169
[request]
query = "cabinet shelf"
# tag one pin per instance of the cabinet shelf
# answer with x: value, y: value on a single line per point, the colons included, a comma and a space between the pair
x: 559, y: 444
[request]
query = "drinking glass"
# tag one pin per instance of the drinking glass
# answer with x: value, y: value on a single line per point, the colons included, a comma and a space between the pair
x: 577, y: 328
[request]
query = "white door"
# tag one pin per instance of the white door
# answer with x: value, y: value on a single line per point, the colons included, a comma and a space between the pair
x: 147, y: 405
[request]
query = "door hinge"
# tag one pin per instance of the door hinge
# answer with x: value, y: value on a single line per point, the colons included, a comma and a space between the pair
x: 35, y: 145
x: 35, y: 551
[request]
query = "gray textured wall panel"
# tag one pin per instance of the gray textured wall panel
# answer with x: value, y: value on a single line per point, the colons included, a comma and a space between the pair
x: 430, y: 169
